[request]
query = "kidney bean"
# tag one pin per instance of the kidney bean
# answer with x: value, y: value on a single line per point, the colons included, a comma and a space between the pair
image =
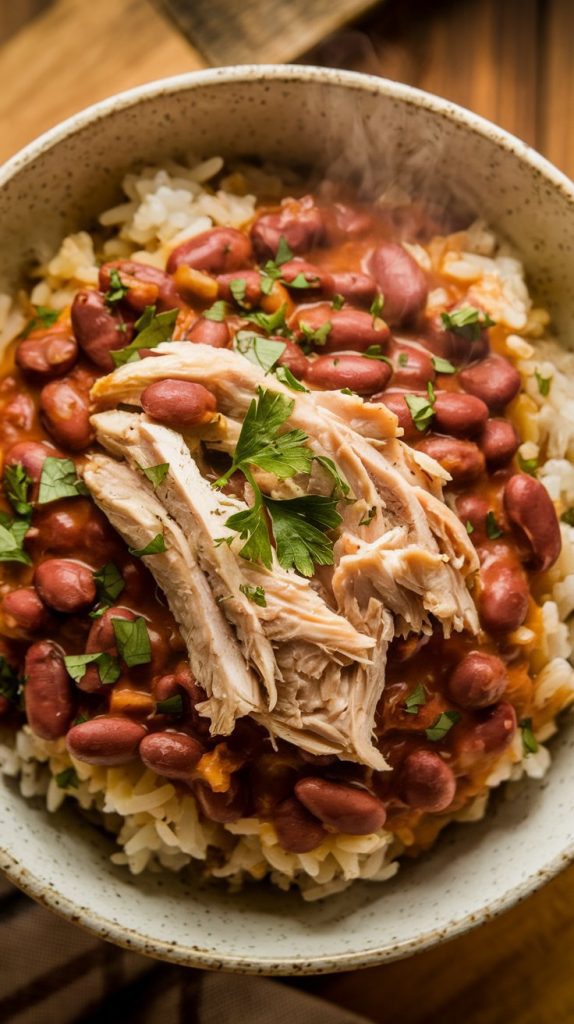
x: 172, y: 754
x: 499, y: 442
x: 490, y: 735
x: 353, y: 286
x: 293, y: 358
x: 209, y: 332
x: 504, y: 594
x: 222, y: 807
x: 412, y: 367
x: 106, y: 741
x: 297, y: 830
x: 102, y: 640
x: 48, y: 692
x: 178, y: 403
x: 365, y: 376
x: 271, y: 781
x: 403, y: 284
x: 47, y: 356
x: 426, y: 782
x: 31, y: 455
x: 64, y: 585
x: 344, y: 808
x: 252, y: 282
x: 395, y: 401
x: 99, y: 330
x: 344, y: 220
x: 219, y: 251
x: 65, y: 407
x: 493, y: 379
x: 25, y: 609
x: 473, y: 509
x: 147, y: 286
x: 462, y: 459
x: 299, y: 222
x: 478, y: 681
x: 461, y: 415
x: 70, y: 526
x: 530, y: 509
x: 350, y: 328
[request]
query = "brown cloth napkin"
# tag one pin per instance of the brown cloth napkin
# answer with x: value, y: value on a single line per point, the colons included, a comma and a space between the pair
x: 54, y: 973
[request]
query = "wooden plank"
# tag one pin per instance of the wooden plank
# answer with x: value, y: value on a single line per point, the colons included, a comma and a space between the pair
x: 259, y: 31
x: 13, y: 16
x: 556, y: 117
x: 77, y: 53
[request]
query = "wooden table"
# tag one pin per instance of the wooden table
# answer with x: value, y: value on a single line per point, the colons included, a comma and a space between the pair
x: 512, y: 61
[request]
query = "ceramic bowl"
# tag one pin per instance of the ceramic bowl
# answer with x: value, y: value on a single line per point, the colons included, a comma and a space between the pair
x: 371, y: 130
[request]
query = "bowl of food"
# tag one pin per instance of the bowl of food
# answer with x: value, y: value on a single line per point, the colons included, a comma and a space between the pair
x: 286, y: 420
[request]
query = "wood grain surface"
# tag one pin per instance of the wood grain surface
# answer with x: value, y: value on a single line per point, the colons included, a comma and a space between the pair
x: 511, y: 61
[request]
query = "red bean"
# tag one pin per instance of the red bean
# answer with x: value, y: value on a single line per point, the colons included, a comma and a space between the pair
x: 490, y: 735
x: 105, y: 741
x: 48, y: 693
x: 293, y: 358
x: 473, y: 509
x: 344, y: 808
x: 462, y: 459
x: 347, y: 221
x: 504, y: 594
x: 426, y: 782
x: 219, y: 251
x: 173, y: 754
x: 222, y: 807
x: 364, y: 376
x: 478, y: 680
x: 25, y: 609
x: 64, y: 585
x: 412, y: 367
x: 494, y: 380
x: 65, y: 407
x: 402, y: 282
x: 395, y: 401
x: 147, y: 286
x: 461, y: 415
x: 99, y: 329
x: 69, y: 526
x: 499, y: 442
x: 353, y: 286
x: 299, y: 222
x: 102, y: 640
x: 530, y: 509
x: 251, y: 280
x: 349, y: 328
x: 316, y: 278
x: 48, y: 356
x: 178, y: 403
x: 31, y: 455
x: 209, y: 332
x: 297, y: 830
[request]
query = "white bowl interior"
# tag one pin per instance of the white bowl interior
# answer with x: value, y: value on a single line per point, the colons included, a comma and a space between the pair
x: 379, y: 133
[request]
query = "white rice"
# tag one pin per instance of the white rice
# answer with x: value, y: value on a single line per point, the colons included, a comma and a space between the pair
x: 158, y: 827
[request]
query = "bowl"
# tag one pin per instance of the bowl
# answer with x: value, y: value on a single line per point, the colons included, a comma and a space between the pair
x: 369, y: 130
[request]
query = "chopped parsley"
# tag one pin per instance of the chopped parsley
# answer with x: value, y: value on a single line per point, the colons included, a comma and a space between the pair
x: 415, y: 700
x: 155, y: 547
x: 109, y: 585
x: 170, y: 706
x: 255, y: 594
x: 152, y: 329
x: 117, y: 290
x: 67, y: 779
x: 568, y: 517
x: 367, y: 520
x: 284, y: 253
x: 530, y: 744
x: 156, y: 474
x: 338, y: 301
x: 302, y: 281
x: 271, y: 323
x: 10, y: 682
x: 543, y: 383
x: 17, y: 485
x: 238, y: 288
x: 422, y: 409
x: 132, y: 639
x: 263, y: 352
x: 299, y: 526
x: 403, y: 359
x: 442, y: 365
x: 469, y: 527
x: 443, y: 724
x: 283, y: 373
x: 468, y: 322
x: 493, y: 530
x: 529, y: 466
x: 107, y: 665
x: 341, y: 487
x: 59, y: 480
x: 12, y: 534
x: 376, y: 306
x: 316, y: 335
x: 217, y: 312
x: 376, y: 352
x: 43, y: 317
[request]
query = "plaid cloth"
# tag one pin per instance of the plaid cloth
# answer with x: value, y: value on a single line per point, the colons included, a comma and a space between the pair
x: 54, y: 973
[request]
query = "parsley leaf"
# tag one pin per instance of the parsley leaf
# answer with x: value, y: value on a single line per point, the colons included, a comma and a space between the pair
x: 467, y: 322
x: 341, y: 487
x: 271, y: 323
x: 367, y: 520
x: 421, y: 409
x: 260, y: 444
x: 415, y: 700
x: 469, y: 527
x: 530, y: 744
x: 493, y: 530
x: 338, y: 301
x: 251, y: 525
x: 238, y: 287
x: 155, y: 547
x: 152, y: 330
x: 302, y: 280
x: 59, y: 480
x: 12, y: 534
x: 156, y: 474
x: 109, y: 584
x: 376, y: 352
x: 283, y: 373
x: 442, y: 725
x: 117, y: 290
x: 403, y: 359
x: 10, y: 682
x: 43, y: 317
x: 283, y: 254
x: 299, y: 526
x: 255, y: 594
x: 376, y: 306
x: 543, y: 383
x: 529, y: 466
x: 568, y: 517
x: 108, y: 667
x: 442, y: 365
x: 217, y: 312
x: 316, y: 335
x: 170, y: 706
x: 261, y: 351
x: 67, y: 779
x: 132, y: 639
x: 17, y: 485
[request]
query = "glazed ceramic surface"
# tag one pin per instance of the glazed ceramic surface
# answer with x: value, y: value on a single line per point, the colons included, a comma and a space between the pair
x: 376, y: 133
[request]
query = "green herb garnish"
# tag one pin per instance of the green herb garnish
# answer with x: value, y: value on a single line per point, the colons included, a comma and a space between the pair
x: 415, y: 700
x: 68, y: 779
x: 12, y: 534
x: 132, y: 639
x: 442, y: 725
x: 238, y: 288
x: 316, y: 335
x: 17, y: 484
x: 529, y: 466
x: 109, y: 584
x: 271, y: 323
x: 376, y: 352
x: 338, y: 301
x: 493, y: 530
x: 59, y: 480
x: 117, y: 290
x: 367, y: 520
x: 442, y: 365
x: 422, y: 409
x: 543, y: 383
x: 568, y: 517
x: 468, y: 322
x: 469, y: 527
x: 217, y: 312
x: 255, y: 594
x: 152, y: 329
x: 108, y: 667
x: 283, y: 373
x: 376, y: 306
x: 341, y: 487
x: 170, y: 706
x: 530, y: 744
x: 10, y: 682
x: 299, y: 526
x: 155, y: 547
x: 43, y: 317
x: 156, y: 474
x: 263, y: 352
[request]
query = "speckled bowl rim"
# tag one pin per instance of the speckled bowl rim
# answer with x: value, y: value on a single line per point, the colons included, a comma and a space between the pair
x: 33, y: 886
